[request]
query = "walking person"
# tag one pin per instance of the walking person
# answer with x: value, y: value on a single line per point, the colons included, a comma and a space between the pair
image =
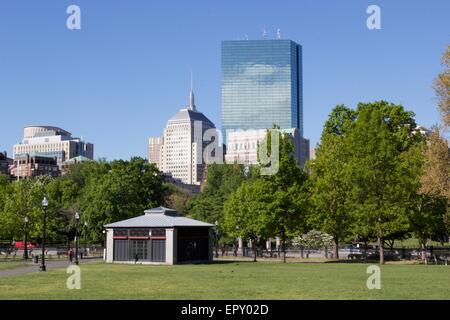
x: 70, y: 254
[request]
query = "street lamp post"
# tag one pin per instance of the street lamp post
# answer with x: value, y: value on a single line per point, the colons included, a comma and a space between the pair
x: 44, y: 207
x: 77, y: 219
x: 85, y: 238
x: 25, y: 249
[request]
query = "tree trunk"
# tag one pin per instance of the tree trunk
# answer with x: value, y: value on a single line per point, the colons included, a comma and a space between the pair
x: 283, y: 244
x: 365, y: 250
x: 254, y: 249
x: 423, y: 246
x: 335, y: 247
x: 381, y: 248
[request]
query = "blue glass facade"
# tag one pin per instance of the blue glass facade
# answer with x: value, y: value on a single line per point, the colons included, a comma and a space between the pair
x: 261, y: 85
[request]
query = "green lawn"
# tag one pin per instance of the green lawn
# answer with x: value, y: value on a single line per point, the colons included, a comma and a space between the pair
x: 233, y: 280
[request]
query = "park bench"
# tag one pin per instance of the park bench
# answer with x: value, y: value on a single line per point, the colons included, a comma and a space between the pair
x: 355, y: 256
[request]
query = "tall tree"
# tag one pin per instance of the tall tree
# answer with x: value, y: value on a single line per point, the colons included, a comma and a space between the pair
x: 176, y: 197
x: 381, y: 134
x: 330, y: 177
x: 247, y: 212
x: 435, y: 180
x: 125, y: 191
x: 442, y: 89
x: 23, y: 199
x: 221, y: 181
x: 288, y: 187
x: 432, y: 218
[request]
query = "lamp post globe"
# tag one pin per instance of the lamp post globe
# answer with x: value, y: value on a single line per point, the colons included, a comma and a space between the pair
x: 44, y: 208
x: 77, y: 219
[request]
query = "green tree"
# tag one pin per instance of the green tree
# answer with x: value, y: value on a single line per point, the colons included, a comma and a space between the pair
x: 314, y: 239
x: 125, y: 191
x: 247, y: 214
x: 4, y: 193
x: 435, y: 180
x: 221, y: 181
x: 330, y: 177
x: 176, y: 197
x: 382, y: 133
x: 270, y: 205
x: 429, y: 212
x: 23, y: 199
x: 288, y: 189
x: 102, y: 192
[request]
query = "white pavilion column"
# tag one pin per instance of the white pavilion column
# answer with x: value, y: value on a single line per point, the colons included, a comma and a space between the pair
x: 278, y: 245
x: 269, y: 244
x: 109, y: 245
x: 240, y: 246
x: 171, y: 246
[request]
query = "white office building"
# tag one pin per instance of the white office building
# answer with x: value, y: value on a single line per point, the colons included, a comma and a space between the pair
x: 180, y: 151
x: 52, y: 142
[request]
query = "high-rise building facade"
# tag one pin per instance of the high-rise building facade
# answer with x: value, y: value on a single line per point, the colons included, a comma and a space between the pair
x: 181, y: 148
x: 261, y: 85
x: 242, y: 145
x: 52, y: 142
x: 154, y: 150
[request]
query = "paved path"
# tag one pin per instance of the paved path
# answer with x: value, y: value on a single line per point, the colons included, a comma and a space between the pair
x: 49, y: 264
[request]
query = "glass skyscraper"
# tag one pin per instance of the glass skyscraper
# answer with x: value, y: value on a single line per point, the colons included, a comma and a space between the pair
x: 261, y: 85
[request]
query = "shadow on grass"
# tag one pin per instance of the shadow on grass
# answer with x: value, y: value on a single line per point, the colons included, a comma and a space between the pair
x: 214, y: 262
x: 351, y: 261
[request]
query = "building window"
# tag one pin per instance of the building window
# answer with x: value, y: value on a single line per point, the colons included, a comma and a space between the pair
x: 158, y: 232
x: 138, y: 250
x: 120, y: 232
x: 139, y: 232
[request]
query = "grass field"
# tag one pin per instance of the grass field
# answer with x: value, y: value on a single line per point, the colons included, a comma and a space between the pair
x: 233, y: 280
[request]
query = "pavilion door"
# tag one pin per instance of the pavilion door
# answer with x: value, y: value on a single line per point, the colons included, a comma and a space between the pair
x: 158, y: 250
x: 139, y: 250
x: 121, y: 250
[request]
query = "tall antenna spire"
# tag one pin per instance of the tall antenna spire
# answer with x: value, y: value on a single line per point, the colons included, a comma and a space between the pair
x: 191, y: 95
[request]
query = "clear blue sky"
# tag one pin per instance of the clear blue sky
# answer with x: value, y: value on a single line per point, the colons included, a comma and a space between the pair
x: 118, y: 79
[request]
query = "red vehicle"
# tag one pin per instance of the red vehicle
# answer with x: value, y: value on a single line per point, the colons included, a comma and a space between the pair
x: 20, y: 245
